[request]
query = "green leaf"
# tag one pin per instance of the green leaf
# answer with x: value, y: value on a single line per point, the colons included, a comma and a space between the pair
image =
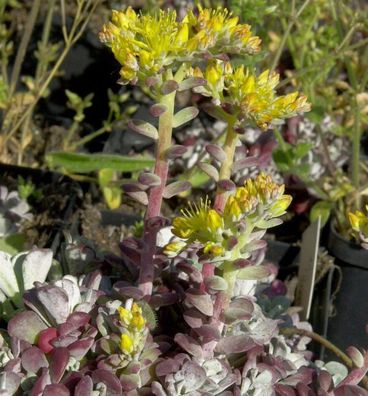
x: 184, y: 115
x: 144, y: 128
x: 85, y: 163
x: 282, y: 160
x: 302, y: 149
x: 323, y: 209
x: 12, y: 244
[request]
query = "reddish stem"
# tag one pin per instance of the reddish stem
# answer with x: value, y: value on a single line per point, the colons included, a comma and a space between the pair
x: 208, y: 269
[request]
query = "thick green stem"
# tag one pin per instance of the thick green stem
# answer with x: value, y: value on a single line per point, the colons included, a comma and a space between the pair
x: 225, y: 170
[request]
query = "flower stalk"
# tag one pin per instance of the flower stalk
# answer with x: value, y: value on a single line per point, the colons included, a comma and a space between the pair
x: 225, y: 170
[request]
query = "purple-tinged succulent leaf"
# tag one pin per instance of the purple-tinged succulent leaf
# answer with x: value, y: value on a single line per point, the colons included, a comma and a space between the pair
x: 74, y: 322
x: 350, y: 390
x: 56, y: 390
x: 200, y: 300
x: 84, y: 387
x: 254, y: 272
x: 210, y: 170
x: 167, y: 366
x: 256, y: 245
x: 216, y: 152
x: 151, y: 81
x: 42, y: 381
x: 356, y: 356
x: 194, y: 318
x: 244, y: 163
x: 33, y: 359
x: 176, y: 151
x: 241, y: 263
x: 191, y: 82
x: 58, y: 364
x: 169, y: 86
x: 133, y: 187
x: 79, y: 348
x: 26, y: 326
x: 239, y: 309
x: 163, y: 299
x: 185, y: 115
x: 128, y: 291
x: 110, y: 380
x: 144, y: 128
x: 235, y: 344
x: 226, y: 185
x: 149, y: 179
x: 157, y: 109
x: 215, y: 111
x: 264, y: 224
x: 208, y: 333
x: 189, y: 345
x: 55, y: 302
x: 176, y: 188
x: 139, y: 196
x: 129, y: 382
x: 10, y: 381
x: 215, y: 283
x: 157, y: 389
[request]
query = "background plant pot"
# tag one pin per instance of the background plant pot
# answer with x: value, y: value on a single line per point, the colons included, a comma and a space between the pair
x: 347, y: 325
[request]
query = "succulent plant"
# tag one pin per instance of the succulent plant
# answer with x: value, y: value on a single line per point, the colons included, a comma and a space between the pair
x: 13, y: 210
x: 18, y: 274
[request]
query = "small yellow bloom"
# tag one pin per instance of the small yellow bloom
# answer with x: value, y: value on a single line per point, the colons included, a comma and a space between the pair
x: 172, y: 249
x: 126, y: 343
x: 147, y: 45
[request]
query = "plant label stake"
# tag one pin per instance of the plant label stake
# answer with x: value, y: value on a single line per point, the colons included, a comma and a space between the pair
x: 307, y: 268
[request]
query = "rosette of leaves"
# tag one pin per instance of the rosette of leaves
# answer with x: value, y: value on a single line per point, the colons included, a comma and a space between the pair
x: 126, y: 348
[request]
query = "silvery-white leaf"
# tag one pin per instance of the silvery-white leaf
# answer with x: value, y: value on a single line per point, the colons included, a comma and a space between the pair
x: 8, y: 281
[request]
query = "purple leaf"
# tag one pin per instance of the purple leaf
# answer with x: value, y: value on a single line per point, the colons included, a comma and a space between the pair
x: 239, y: 309
x: 208, y: 333
x: 216, y: 152
x: 33, y: 359
x: 59, y: 361
x: 11, y: 381
x: 169, y: 86
x: 149, y: 179
x: 176, y: 151
x: 144, y: 128
x: 79, y: 348
x: 112, y: 383
x: 40, y: 384
x: 189, y: 345
x: 200, y: 300
x: 157, y: 109
x: 176, y: 188
x: 244, y: 163
x: 56, y: 390
x: 139, y: 196
x: 84, y: 387
x: 235, y: 344
x: 74, y: 322
x: 215, y: 283
x: 55, y: 302
x: 226, y: 185
x: 26, y: 326
x: 193, y: 318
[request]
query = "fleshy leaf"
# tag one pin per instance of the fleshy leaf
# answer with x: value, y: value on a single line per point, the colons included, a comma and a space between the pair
x: 210, y: 170
x: 189, y: 345
x: 112, y: 383
x: 26, y: 326
x: 58, y: 364
x: 157, y: 109
x: 84, y: 387
x: 144, y: 128
x: 149, y: 179
x: 235, y: 344
x: 200, y: 300
x: 185, y: 115
x: 253, y: 272
x: 33, y: 359
x: 169, y: 86
x: 8, y: 280
x: 191, y: 82
x: 216, y: 152
x: 176, y: 151
x: 176, y: 188
x: 215, y: 283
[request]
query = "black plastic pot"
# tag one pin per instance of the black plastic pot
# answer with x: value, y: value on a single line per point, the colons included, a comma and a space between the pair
x: 347, y: 326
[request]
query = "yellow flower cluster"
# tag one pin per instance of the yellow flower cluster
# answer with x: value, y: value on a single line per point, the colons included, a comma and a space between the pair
x: 251, y: 98
x: 147, y: 45
x: 134, y: 323
x: 359, y: 223
x: 257, y: 201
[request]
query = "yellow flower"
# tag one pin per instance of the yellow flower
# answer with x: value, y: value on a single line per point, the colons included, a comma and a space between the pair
x: 147, y: 45
x: 126, y: 343
x: 134, y: 329
x: 199, y: 222
x: 252, y: 98
x: 359, y: 222
x: 256, y: 202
